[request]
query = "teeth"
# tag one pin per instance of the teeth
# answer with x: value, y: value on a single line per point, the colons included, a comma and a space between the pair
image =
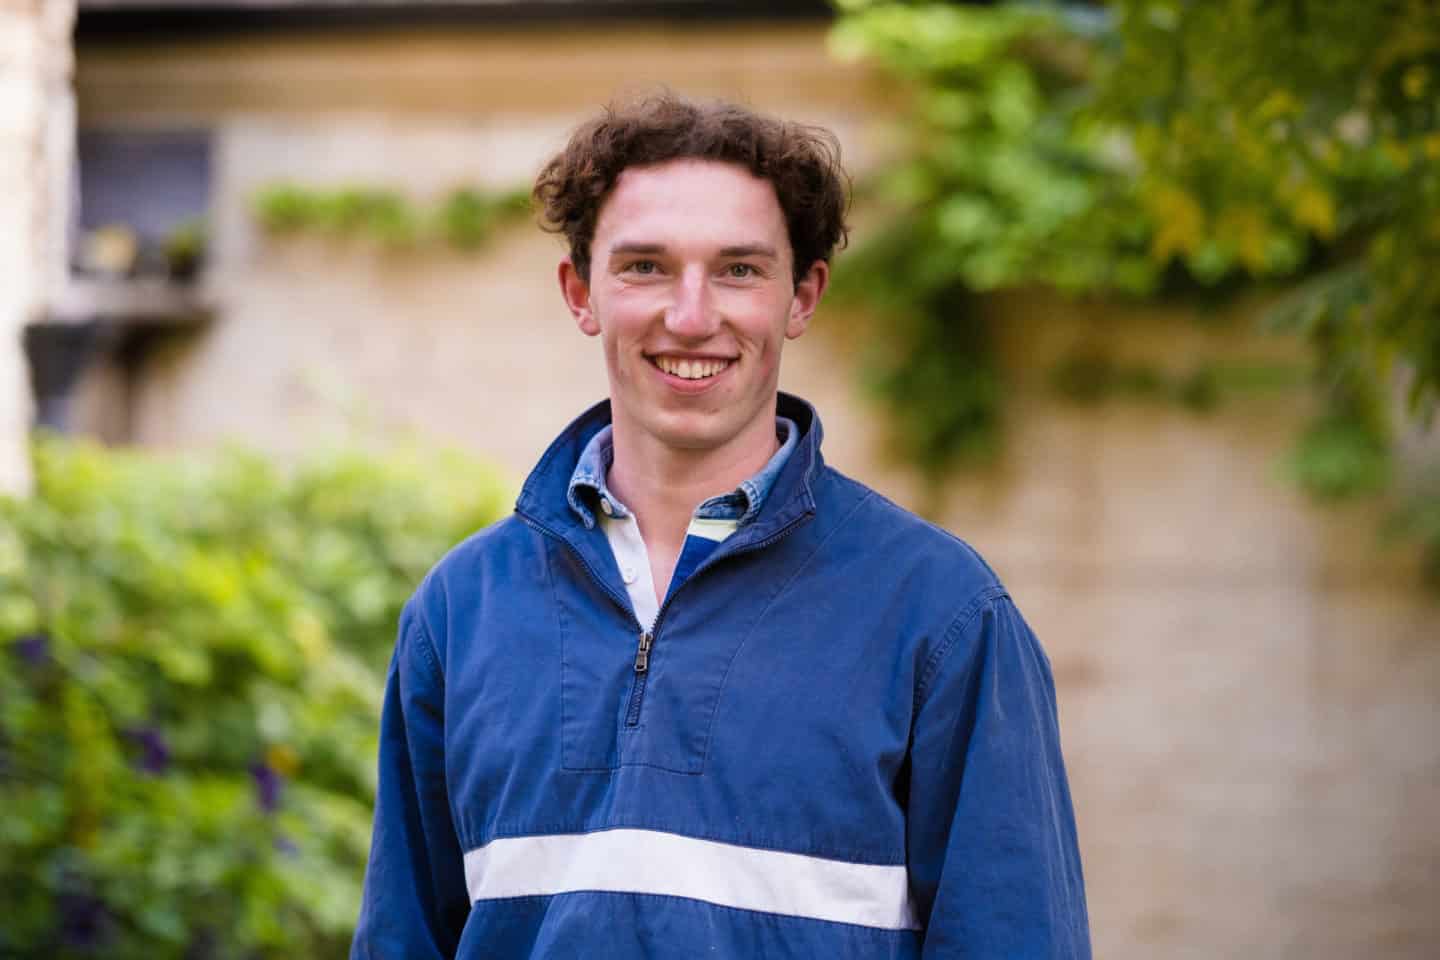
x: 691, y: 369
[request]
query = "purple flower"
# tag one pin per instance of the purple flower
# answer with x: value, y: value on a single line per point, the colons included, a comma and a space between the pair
x: 267, y: 786
x: 285, y: 845
x: 154, y: 751
x: 84, y: 920
x: 33, y: 648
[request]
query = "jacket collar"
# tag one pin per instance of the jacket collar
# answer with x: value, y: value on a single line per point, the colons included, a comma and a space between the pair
x: 588, y: 483
x: 544, y: 498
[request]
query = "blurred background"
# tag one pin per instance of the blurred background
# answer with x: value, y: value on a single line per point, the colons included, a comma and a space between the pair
x: 1142, y: 301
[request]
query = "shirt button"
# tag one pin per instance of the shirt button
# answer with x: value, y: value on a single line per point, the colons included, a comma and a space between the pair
x: 627, y: 573
x: 605, y: 506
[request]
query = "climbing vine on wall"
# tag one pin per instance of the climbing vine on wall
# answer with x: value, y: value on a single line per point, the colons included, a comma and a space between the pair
x: 1147, y: 148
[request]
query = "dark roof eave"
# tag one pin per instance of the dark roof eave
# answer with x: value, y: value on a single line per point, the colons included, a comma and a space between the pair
x: 99, y: 19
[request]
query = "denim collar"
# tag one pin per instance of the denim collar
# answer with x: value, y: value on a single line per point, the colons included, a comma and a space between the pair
x: 543, y: 505
x: 587, y: 483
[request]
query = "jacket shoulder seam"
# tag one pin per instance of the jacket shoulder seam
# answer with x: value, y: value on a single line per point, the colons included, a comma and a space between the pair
x: 951, y: 637
x: 880, y: 499
x: 427, y: 649
x: 431, y: 586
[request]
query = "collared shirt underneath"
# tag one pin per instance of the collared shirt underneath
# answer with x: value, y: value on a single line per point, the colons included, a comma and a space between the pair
x: 713, y: 521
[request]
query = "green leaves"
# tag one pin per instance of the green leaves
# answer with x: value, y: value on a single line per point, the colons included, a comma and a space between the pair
x: 467, y: 217
x: 996, y: 175
x: 993, y: 167
x: 1338, y: 457
x: 1272, y: 136
x: 463, y: 219
x: 193, y: 653
x: 1147, y: 148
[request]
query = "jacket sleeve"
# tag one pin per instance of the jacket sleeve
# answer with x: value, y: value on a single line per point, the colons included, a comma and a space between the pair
x: 994, y: 862
x: 415, y: 901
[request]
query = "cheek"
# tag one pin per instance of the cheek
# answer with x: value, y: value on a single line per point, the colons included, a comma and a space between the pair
x: 623, y: 363
x: 631, y: 322
x: 772, y: 337
x: 636, y: 303
x: 623, y: 322
x: 770, y: 363
x: 613, y: 352
x: 758, y: 317
x: 766, y: 359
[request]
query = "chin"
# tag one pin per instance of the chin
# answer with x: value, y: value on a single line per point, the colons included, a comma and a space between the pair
x: 683, y: 437
x: 692, y: 430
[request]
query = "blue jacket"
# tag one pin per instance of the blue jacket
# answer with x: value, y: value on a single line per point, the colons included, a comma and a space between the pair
x: 843, y: 744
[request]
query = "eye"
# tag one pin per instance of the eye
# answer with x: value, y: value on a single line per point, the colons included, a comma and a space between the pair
x: 644, y: 267
x: 740, y: 271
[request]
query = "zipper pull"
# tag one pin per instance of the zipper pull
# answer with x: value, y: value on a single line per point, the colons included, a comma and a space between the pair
x: 642, y: 653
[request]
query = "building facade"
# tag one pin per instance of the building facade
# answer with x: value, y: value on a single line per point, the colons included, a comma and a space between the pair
x: 1246, y: 681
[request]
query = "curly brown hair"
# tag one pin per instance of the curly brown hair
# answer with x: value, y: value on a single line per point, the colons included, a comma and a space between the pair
x: 802, y: 162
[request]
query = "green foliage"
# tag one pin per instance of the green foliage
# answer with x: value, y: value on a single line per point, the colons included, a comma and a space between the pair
x: 1418, y: 519
x: 1000, y: 183
x: 184, y: 246
x: 194, y: 656
x: 1302, y: 133
x: 465, y: 218
x: 948, y: 368
x: 1149, y: 147
x: 1091, y: 376
x: 995, y: 176
x: 1287, y: 126
x: 1338, y: 458
x: 1345, y: 450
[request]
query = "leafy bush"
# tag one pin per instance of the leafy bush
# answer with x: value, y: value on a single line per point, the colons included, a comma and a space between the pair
x: 194, y: 659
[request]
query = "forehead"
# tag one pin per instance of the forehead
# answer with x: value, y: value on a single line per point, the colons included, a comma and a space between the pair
x: 690, y: 202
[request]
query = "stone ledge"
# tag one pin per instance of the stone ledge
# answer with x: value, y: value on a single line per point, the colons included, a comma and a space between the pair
x: 147, y: 302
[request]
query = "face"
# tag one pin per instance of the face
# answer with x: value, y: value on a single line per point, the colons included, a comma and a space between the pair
x: 692, y: 294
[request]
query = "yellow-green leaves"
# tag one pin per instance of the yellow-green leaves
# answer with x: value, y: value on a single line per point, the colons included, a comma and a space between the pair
x: 191, y: 662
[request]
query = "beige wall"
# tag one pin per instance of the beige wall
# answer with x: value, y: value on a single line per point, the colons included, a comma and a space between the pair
x: 1247, y: 682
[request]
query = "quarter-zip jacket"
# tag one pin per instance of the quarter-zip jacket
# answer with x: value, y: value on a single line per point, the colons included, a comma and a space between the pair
x: 843, y: 743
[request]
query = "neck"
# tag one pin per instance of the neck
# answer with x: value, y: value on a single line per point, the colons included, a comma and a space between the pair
x: 663, y: 485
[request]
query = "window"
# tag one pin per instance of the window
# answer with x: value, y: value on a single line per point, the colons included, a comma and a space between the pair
x: 143, y: 197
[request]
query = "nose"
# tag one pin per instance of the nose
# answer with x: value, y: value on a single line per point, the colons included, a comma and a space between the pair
x: 692, y: 314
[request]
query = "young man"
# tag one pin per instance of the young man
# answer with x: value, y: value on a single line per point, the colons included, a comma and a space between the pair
x: 702, y: 695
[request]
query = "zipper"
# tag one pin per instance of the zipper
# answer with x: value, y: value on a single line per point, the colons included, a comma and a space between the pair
x: 646, y: 641
x: 637, y: 686
x: 647, y: 638
x: 642, y: 653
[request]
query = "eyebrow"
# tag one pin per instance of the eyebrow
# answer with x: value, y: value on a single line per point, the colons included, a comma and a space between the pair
x: 738, y: 250
x: 621, y: 248
x: 749, y: 250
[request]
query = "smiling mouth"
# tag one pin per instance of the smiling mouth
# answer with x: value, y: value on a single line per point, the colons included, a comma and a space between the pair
x: 685, y: 369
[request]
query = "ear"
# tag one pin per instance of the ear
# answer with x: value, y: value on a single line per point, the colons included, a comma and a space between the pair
x: 807, y: 297
x: 577, y: 297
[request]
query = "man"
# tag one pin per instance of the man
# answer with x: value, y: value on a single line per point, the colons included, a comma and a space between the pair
x: 702, y: 695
